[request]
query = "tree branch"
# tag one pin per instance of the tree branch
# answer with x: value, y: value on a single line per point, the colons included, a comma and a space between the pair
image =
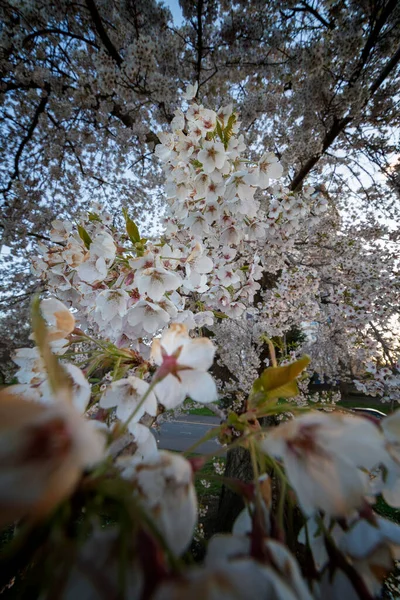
x: 373, y: 38
x: 102, y: 33
x: 308, y: 8
x: 39, y: 110
x: 42, y: 32
x: 199, y: 30
x: 340, y: 124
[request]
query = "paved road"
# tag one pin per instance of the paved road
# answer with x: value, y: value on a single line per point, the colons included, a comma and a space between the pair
x: 185, y: 431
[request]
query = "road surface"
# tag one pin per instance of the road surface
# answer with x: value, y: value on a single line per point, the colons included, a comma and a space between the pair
x: 182, y: 433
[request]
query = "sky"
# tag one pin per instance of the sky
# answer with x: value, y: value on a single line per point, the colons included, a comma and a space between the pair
x: 175, y: 9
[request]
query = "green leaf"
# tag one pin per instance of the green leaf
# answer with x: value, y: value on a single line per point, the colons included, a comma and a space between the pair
x: 94, y: 217
x: 220, y: 315
x: 196, y: 163
x: 220, y: 131
x: 274, y: 378
x: 131, y: 228
x: 85, y: 237
x: 229, y: 129
x: 278, y: 382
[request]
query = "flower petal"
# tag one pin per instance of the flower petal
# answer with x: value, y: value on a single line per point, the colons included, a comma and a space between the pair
x: 199, y: 386
x: 197, y: 354
x: 170, y: 392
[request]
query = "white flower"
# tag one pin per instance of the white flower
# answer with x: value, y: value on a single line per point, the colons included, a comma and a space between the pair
x: 235, y: 309
x: 198, y: 261
x: 73, y: 253
x: 364, y: 537
x: 111, y: 303
x: 212, y: 156
x: 81, y: 390
x: 149, y: 315
x: 275, y: 210
x: 227, y: 276
x: 270, y: 168
x: 178, y: 122
x: 31, y: 367
x: 169, y: 307
x: 197, y: 223
x: 206, y: 120
x: 237, y: 185
x: 256, y: 231
x: 212, y: 212
x: 186, y: 318
x: 322, y: 455
x: 231, y: 235
x: 190, y: 91
x: 185, y: 145
x: 146, y: 449
x: 93, y: 269
x: 44, y: 449
x: 165, y: 150
x: 57, y: 315
x: 103, y: 245
x: 126, y: 395
x: 148, y: 260
x: 280, y: 579
x: 390, y: 487
x: 214, y: 188
x: 183, y: 364
x: 391, y: 429
x: 194, y: 281
x: 204, y: 318
x: 165, y: 490
x: 155, y: 281
x: 60, y: 231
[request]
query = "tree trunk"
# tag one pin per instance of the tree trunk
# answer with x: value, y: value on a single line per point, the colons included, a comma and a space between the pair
x: 238, y: 466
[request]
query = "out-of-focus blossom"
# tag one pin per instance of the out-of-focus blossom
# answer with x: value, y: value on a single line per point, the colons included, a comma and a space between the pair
x: 164, y: 488
x: 44, y: 450
x: 323, y: 456
x: 60, y: 319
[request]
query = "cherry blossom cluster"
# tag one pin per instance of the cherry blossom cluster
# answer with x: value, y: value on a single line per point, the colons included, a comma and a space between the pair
x: 229, y: 264
x: 336, y: 464
x: 228, y: 222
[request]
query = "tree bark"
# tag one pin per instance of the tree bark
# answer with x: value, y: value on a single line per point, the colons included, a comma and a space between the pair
x: 238, y: 466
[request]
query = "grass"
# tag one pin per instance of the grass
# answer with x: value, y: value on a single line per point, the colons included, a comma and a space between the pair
x: 204, y: 473
x: 197, y: 409
x: 383, y: 407
x: 203, y: 411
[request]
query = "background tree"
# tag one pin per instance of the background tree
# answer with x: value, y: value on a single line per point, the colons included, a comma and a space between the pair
x: 84, y: 88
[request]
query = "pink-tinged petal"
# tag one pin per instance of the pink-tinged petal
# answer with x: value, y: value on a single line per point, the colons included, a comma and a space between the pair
x: 363, y: 538
x: 199, y: 386
x: 170, y: 392
x: 198, y: 354
x: 146, y: 442
x: 153, y: 287
x: 275, y: 170
x: 152, y: 322
x: 391, y: 427
x: 174, y: 337
x: 391, y: 491
x: 156, y: 354
x: 203, y: 264
x: 171, y: 281
x: 361, y: 442
x: 321, y: 483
